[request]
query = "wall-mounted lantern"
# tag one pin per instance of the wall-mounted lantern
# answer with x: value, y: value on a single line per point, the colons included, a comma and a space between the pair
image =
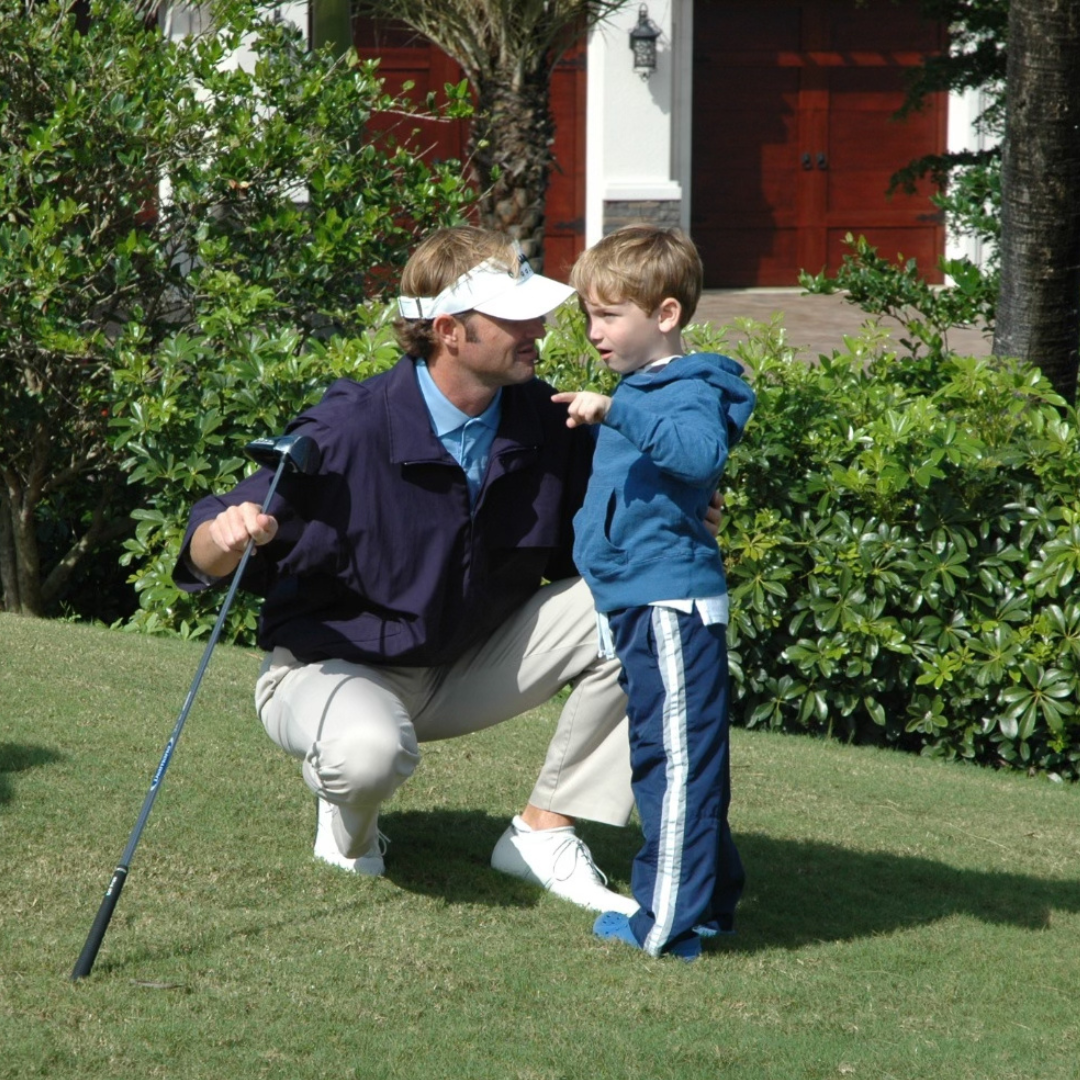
x: 643, y: 40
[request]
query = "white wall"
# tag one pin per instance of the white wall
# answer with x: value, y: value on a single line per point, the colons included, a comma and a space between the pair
x: 637, y: 131
x: 964, y: 110
x: 183, y: 19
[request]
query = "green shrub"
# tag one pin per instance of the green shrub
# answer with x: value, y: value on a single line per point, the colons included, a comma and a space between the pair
x: 927, y: 312
x: 901, y: 537
x: 186, y: 439
x: 180, y: 237
x: 568, y: 361
x: 195, y: 405
x: 901, y: 534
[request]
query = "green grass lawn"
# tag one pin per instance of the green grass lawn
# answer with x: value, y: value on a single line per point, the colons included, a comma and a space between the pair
x: 903, y: 919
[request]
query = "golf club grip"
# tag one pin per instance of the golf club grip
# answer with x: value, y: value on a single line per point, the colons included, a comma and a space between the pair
x: 94, y: 939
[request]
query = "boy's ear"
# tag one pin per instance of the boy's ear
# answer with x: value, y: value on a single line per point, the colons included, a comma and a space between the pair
x: 668, y: 314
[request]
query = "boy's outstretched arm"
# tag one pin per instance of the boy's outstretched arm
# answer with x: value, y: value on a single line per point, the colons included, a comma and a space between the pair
x: 583, y: 406
x: 586, y: 407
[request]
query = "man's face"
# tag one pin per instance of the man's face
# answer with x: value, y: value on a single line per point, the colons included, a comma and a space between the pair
x: 499, y: 352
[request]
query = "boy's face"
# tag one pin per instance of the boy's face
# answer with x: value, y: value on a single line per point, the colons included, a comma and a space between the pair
x: 626, y: 337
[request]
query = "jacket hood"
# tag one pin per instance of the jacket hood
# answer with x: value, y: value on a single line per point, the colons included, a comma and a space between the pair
x: 722, y: 372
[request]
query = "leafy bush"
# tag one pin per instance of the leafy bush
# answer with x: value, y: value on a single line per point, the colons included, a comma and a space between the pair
x: 191, y: 415
x: 901, y: 534
x: 168, y: 216
x: 195, y: 404
x: 897, y: 289
x: 568, y: 361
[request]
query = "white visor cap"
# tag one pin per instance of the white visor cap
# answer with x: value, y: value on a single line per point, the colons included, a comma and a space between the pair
x: 492, y: 290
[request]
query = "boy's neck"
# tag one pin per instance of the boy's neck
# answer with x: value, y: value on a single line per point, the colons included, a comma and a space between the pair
x: 667, y: 348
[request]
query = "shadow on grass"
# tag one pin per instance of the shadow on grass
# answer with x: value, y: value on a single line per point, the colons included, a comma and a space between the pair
x: 447, y: 853
x: 798, y: 892
x: 440, y: 853
x: 16, y: 758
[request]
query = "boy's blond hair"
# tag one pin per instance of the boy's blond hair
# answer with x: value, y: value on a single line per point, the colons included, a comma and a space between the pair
x: 642, y: 264
x: 437, y: 263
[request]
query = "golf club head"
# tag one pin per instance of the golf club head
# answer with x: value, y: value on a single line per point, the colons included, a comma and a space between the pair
x: 299, y: 452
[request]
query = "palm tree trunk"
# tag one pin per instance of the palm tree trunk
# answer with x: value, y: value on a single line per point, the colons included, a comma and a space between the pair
x: 1038, y: 311
x: 510, y: 150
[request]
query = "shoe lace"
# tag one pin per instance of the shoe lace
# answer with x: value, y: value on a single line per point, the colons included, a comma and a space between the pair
x: 574, y: 850
x: 382, y: 842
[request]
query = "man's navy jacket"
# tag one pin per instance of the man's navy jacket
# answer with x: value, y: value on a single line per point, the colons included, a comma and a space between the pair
x: 379, y: 557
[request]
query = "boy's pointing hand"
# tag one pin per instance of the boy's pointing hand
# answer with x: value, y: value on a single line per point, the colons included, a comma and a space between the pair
x: 584, y: 407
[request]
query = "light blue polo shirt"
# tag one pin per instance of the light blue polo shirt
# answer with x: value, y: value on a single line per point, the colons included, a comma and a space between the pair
x: 467, y: 439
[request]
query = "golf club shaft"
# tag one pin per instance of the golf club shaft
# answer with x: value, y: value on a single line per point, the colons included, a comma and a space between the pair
x: 90, y: 949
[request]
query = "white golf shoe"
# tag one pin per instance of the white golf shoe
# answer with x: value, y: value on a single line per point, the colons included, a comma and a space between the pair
x: 560, y: 861
x: 371, y: 863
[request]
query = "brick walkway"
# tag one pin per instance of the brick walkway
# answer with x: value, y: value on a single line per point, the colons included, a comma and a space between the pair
x: 814, y: 324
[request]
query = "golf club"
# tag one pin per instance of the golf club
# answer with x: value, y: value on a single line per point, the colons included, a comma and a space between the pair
x: 293, y: 453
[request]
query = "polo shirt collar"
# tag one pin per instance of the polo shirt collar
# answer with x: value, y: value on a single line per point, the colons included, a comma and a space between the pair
x: 411, y: 436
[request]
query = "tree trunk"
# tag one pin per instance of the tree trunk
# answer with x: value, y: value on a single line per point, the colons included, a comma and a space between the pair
x: 1038, y: 311
x: 105, y: 526
x: 9, y: 578
x: 28, y: 565
x: 511, y: 136
x: 19, y: 556
x: 24, y: 485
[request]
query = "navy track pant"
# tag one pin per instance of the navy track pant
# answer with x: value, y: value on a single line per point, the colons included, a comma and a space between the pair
x: 675, y: 674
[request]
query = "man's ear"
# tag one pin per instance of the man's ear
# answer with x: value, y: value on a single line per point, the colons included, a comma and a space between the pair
x: 668, y: 314
x: 445, y: 329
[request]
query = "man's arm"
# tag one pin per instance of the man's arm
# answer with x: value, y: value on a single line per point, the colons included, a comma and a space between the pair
x: 217, y: 545
x: 714, y: 513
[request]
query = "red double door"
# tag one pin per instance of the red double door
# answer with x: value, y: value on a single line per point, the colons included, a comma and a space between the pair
x: 794, y: 140
x: 793, y: 137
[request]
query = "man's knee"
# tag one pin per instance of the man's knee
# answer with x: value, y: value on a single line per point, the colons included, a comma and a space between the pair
x: 362, y: 765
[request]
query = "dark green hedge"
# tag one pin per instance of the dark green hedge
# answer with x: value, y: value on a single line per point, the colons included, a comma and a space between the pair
x: 902, y: 534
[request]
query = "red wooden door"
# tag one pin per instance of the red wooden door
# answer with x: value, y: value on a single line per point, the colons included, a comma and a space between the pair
x: 406, y: 56
x: 564, y: 210
x: 793, y: 137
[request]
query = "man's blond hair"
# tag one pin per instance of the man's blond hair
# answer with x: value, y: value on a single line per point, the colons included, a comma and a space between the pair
x: 642, y: 264
x: 437, y: 263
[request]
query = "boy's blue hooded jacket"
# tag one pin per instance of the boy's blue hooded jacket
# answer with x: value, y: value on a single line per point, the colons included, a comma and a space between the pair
x: 640, y: 535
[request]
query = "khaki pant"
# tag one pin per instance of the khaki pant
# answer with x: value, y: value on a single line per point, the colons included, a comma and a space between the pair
x: 357, y: 728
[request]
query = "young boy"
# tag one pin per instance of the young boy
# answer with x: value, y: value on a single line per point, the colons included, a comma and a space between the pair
x: 657, y: 576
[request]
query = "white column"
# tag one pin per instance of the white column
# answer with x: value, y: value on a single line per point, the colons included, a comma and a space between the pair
x: 964, y: 134
x: 682, y: 113
x: 633, y: 155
